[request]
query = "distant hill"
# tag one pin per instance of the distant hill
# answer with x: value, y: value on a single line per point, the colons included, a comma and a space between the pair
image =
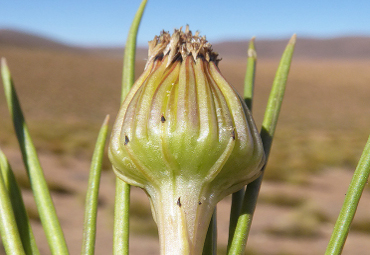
x: 117, y: 52
x: 306, y: 48
x: 22, y: 39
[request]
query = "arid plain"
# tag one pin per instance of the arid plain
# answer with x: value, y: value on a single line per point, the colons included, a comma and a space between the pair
x: 66, y: 92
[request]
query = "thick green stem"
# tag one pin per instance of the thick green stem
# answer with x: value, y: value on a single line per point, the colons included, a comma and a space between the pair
x: 182, y: 214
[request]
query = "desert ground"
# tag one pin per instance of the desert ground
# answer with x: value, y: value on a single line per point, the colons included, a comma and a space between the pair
x: 323, y: 127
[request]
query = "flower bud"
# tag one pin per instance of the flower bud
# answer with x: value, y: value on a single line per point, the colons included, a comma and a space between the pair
x: 186, y: 137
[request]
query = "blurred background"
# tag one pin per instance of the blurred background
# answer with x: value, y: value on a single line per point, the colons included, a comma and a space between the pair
x: 66, y: 62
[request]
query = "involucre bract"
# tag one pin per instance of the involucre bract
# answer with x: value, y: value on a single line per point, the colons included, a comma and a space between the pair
x: 186, y: 137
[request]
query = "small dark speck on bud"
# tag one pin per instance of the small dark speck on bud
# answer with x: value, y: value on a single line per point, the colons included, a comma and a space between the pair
x: 178, y: 202
x: 199, y: 203
x: 126, y: 140
x: 233, y: 134
x: 163, y: 119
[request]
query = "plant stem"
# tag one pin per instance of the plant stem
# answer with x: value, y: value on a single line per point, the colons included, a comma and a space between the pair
x: 182, y: 220
x: 358, y: 182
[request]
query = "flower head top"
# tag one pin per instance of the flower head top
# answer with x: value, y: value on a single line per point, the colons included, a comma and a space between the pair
x: 181, y: 44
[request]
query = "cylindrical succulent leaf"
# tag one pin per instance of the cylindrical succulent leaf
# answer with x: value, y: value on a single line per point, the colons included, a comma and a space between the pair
x: 186, y: 137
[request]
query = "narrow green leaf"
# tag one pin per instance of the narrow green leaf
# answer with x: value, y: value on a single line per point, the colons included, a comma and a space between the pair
x: 276, y: 97
x: 250, y: 74
x: 38, y: 183
x: 8, y: 225
x: 210, y: 244
x: 20, y: 213
x: 122, y: 199
x: 121, y: 218
x: 240, y: 238
x: 237, y: 197
x: 353, y: 195
x: 92, y: 195
x: 128, y: 75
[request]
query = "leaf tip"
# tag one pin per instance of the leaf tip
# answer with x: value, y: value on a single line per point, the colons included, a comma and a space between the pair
x: 251, y: 49
x: 293, y: 39
x: 251, y: 42
x: 106, y: 120
x: 3, y: 63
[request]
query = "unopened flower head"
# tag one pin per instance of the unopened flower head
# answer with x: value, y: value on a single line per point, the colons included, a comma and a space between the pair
x: 185, y: 136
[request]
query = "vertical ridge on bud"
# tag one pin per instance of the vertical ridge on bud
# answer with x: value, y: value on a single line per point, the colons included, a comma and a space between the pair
x: 187, y: 98
x: 185, y: 136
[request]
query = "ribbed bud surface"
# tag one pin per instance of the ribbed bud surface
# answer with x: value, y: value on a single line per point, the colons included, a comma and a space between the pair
x: 185, y: 136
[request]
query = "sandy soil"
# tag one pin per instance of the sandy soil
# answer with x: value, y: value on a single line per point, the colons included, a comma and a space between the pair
x: 322, y: 193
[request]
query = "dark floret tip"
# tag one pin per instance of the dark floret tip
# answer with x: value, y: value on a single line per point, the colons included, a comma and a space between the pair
x: 179, y: 45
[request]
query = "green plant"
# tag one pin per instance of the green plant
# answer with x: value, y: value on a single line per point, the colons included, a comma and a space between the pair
x: 16, y: 231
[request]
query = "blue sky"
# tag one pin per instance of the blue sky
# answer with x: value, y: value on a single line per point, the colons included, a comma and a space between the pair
x: 106, y: 23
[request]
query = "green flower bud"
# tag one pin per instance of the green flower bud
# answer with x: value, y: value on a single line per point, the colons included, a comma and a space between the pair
x: 186, y: 137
